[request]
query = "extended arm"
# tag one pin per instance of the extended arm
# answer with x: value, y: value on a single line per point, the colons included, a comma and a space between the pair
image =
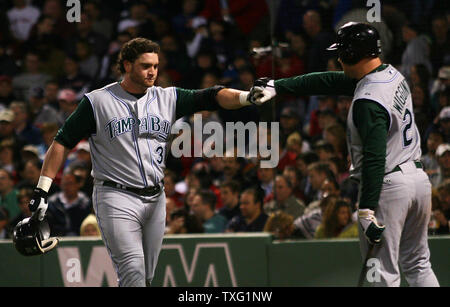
x: 318, y: 83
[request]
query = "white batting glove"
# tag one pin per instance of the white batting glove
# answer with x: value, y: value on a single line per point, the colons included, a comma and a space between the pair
x: 262, y: 91
x: 372, y: 230
x: 38, y: 203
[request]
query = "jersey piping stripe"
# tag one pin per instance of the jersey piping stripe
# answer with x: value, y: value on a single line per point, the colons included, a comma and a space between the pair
x: 93, y: 110
x: 136, y: 147
x: 101, y: 230
x: 387, y: 81
x: 148, y: 140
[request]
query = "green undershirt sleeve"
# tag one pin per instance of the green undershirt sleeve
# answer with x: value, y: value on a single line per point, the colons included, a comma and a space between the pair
x: 192, y: 101
x: 372, y: 122
x: 79, y: 125
x: 317, y: 83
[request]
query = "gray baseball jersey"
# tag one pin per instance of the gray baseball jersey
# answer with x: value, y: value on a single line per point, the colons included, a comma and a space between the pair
x: 390, y: 89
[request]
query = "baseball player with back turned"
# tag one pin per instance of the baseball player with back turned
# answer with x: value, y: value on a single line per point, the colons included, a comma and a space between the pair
x: 128, y: 124
x: 384, y: 145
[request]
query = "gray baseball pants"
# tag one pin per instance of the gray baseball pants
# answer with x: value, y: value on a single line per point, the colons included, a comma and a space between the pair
x: 132, y: 229
x: 404, y: 208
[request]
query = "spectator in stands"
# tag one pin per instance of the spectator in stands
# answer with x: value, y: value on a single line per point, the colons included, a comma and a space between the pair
x: 7, y: 131
x: 67, y: 209
x: 266, y: 177
x: 48, y: 132
x: 442, y: 213
x: 443, y: 157
x: 281, y: 226
x: 295, y: 178
x: 417, y: 50
x: 89, y: 227
x: 8, y: 195
x: 337, y: 222
x: 21, y: 19
x: 6, y: 91
x: 429, y: 159
x: 320, y: 39
x: 324, y: 150
x: 22, y: 124
x: 181, y: 221
x: 203, y: 206
x: 170, y: 179
x: 31, y: 76
x: 85, y: 32
x: 30, y: 176
x: 8, y: 160
x: 335, y: 135
x: 73, y: 78
x: 342, y: 108
x: 252, y: 217
x: 305, y: 226
x: 440, y: 42
x: 317, y: 173
x: 40, y: 111
x: 23, y: 199
x: 67, y: 102
x: 88, y: 61
x: 82, y: 172
x: 229, y: 193
x: 100, y: 23
x: 284, y: 198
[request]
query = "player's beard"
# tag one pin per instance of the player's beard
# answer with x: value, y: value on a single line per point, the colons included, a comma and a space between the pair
x: 140, y: 80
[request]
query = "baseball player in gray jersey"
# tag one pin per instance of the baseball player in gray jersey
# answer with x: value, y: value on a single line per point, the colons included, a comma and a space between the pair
x: 128, y: 125
x: 384, y: 145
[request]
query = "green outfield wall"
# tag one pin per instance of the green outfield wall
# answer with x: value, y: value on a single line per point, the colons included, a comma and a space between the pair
x: 225, y: 260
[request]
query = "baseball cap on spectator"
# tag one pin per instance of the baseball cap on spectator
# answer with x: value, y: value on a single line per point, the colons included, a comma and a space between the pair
x: 83, y: 146
x: 444, y: 114
x: 289, y: 112
x: 444, y: 73
x: 31, y: 148
x: 443, y: 148
x: 37, y: 92
x: 6, y: 116
x: 125, y: 24
x: 67, y: 94
x: 198, y: 22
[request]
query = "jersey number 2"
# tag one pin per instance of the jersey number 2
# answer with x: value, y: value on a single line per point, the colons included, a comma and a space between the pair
x: 407, y: 118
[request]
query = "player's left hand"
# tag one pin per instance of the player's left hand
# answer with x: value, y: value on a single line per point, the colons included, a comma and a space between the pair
x: 263, y: 90
x: 372, y: 230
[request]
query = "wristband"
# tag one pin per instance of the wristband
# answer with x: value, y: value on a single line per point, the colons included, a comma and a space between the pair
x: 243, y: 99
x: 45, y: 183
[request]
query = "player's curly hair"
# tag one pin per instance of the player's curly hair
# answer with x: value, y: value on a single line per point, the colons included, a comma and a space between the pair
x: 132, y: 49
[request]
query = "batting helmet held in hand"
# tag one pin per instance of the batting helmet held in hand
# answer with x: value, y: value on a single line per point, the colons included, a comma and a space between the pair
x: 32, y: 237
x: 356, y: 41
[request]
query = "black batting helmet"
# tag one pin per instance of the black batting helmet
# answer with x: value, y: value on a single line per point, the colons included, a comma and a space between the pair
x: 356, y: 41
x: 32, y: 237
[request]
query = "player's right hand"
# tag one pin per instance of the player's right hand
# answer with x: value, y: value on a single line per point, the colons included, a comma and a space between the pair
x: 372, y: 230
x: 38, y: 203
x: 262, y: 90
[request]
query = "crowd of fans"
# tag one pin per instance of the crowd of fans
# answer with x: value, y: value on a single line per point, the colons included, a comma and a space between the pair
x: 47, y: 64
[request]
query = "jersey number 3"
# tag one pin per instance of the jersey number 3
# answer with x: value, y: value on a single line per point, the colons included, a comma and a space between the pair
x: 407, y: 127
x: 160, y: 151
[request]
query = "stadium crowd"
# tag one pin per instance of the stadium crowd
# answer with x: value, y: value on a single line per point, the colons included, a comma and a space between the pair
x: 47, y: 64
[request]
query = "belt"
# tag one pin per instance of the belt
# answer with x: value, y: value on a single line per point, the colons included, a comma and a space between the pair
x: 397, y: 168
x: 148, y: 191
